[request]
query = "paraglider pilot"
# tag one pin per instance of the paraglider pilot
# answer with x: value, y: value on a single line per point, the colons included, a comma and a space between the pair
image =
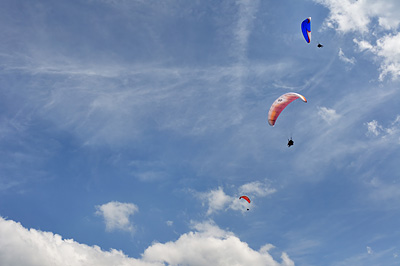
x: 320, y: 45
x: 290, y: 142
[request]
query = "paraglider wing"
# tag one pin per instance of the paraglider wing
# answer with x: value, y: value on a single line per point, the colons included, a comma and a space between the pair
x: 280, y: 104
x: 246, y: 198
x: 306, y: 29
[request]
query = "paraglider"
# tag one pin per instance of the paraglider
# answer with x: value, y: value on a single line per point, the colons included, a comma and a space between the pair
x: 306, y: 29
x: 280, y: 104
x: 245, y: 198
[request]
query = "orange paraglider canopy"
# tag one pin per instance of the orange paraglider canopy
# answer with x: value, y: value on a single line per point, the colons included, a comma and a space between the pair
x: 280, y: 104
x: 246, y: 198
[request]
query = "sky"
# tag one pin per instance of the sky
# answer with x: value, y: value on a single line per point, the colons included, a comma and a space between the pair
x: 129, y: 129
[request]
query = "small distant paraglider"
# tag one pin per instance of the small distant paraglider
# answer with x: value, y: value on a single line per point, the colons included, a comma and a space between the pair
x: 306, y: 29
x: 245, y: 198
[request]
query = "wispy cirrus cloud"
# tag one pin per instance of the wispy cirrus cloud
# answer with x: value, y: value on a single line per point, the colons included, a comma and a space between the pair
x: 257, y: 188
x: 345, y: 59
x: 331, y: 140
x: 381, y: 190
x: 246, y: 16
x: 376, y: 129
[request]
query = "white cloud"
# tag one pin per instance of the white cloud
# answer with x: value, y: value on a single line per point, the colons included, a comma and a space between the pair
x: 210, y: 245
x: 345, y: 59
x: 388, y: 49
x: 207, y: 244
x: 329, y: 115
x: 117, y: 215
x: 349, y: 15
x: 357, y: 16
x: 30, y: 247
x: 346, y: 15
x: 257, y: 188
x: 363, y: 45
x: 374, y: 128
x: 217, y: 200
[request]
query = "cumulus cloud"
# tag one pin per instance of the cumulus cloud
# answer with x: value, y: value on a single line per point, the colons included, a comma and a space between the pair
x: 210, y: 245
x: 30, y: 247
x: 356, y: 16
x: 349, y: 15
x: 117, y: 215
x: 207, y: 244
x: 388, y: 49
x: 346, y: 15
x: 217, y: 200
x: 329, y: 115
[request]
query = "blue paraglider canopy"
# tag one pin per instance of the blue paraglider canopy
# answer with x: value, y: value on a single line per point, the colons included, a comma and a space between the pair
x: 306, y: 29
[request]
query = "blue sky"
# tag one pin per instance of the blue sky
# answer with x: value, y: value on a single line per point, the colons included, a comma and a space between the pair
x: 129, y: 129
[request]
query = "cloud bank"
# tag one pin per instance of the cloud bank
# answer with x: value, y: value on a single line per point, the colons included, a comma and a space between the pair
x: 210, y: 245
x: 30, y: 247
x: 207, y: 244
